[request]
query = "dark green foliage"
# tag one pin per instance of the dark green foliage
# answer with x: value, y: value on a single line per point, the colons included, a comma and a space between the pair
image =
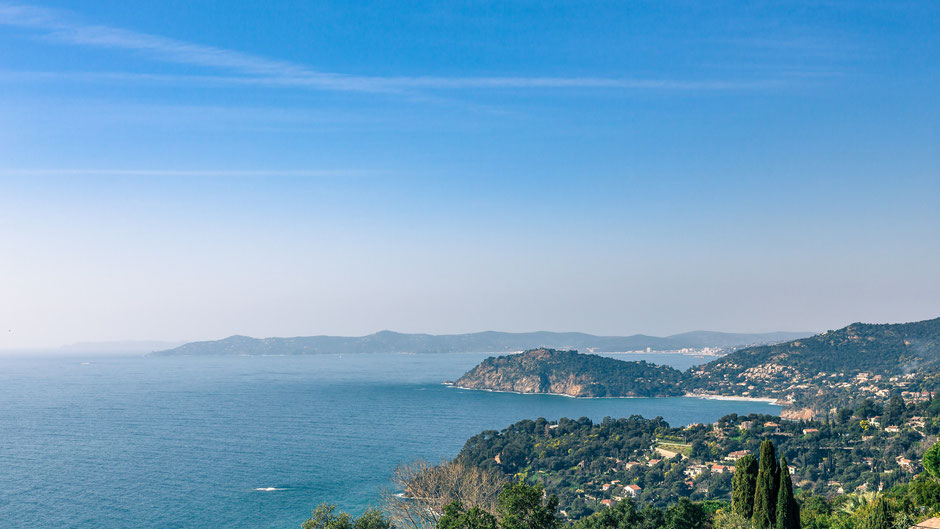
x: 372, y: 519
x: 821, y: 362
x: 743, y: 485
x: 681, y: 515
x: 816, y: 512
x: 788, y: 511
x: 572, y: 459
x: 573, y: 373
x: 922, y: 490
x: 868, y: 409
x: 521, y: 506
x: 653, y: 518
x: 456, y: 517
x: 323, y: 517
x: 932, y: 460
x: 562, y: 445
x: 624, y: 515
x: 933, y: 409
x: 880, y: 516
x: 875, y: 348
x: 765, y: 492
x: 684, y: 515
x: 894, y: 410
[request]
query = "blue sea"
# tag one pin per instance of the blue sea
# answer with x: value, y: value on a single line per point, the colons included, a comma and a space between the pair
x: 119, y: 442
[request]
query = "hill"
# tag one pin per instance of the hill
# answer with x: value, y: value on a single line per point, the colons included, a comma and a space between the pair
x: 573, y: 374
x: 483, y: 342
x: 861, y: 359
x: 585, y: 462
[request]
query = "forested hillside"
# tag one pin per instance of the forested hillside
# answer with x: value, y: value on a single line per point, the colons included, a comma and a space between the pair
x: 857, y: 361
x: 867, y: 448
x: 574, y: 374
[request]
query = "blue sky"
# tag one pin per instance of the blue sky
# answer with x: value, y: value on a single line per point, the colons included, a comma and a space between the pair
x: 189, y: 170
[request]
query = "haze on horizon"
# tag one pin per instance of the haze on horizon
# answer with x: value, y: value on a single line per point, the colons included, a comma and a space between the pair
x: 177, y: 171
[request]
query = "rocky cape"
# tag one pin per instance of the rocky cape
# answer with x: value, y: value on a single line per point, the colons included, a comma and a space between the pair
x: 550, y: 371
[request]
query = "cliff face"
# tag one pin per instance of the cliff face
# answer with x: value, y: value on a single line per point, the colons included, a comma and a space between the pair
x: 573, y: 374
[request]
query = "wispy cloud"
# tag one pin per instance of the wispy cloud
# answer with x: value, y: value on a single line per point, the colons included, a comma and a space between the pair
x: 273, y: 173
x: 248, y: 69
x: 356, y: 83
x: 62, y: 27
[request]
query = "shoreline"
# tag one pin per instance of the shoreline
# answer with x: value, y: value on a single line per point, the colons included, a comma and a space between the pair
x: 766, y: 400
x: 455, y: 386
x: 709, y: 396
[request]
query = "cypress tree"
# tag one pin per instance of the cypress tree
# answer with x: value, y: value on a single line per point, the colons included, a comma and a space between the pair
x: 880, y: 516
x: 788, y: 511
x: 765, y: 492
x: 742, y: 486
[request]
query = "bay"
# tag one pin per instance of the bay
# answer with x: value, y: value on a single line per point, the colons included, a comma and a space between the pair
x: 251, y: 442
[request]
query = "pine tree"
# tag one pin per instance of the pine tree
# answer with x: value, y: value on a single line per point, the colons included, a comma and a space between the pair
x: 788, y: 511
x: 742, y: 486
x: 765, y: 492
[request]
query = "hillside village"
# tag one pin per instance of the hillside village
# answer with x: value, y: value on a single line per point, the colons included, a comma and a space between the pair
x: 591, y: 466
x: 806, y: 396
x: 819, y: 374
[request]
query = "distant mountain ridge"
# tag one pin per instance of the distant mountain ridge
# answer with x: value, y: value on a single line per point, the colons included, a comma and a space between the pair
x: 123, y: 346
x: 482, y: 342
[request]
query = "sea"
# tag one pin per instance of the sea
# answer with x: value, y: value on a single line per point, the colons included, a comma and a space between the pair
x: 252, y: 442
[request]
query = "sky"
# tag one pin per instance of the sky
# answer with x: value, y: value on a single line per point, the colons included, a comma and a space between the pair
x: 189, y: 170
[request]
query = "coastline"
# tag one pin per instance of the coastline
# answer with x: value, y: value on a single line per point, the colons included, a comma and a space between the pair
x: 710, y: 396
x: 703, y: 396
x: 455, y: 386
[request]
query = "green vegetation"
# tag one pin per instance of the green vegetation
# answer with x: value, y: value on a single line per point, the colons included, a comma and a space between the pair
x: 323, y: 517
x: 866, y: 459
x: 527, y: 506
x: 762, y: 492
x: 583, y: 462
x: 880, y: 516
x: 574, y: 374
x: 932, y: 461
x: 743, y: 485
x: 836, y: 368
x: 788, y: 511
x: 765, y: 492
x: 520, y: 506
x: 886, y: 349
x: 457, y: 517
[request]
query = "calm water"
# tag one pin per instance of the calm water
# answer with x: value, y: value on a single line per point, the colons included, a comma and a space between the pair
x: 108, y: 443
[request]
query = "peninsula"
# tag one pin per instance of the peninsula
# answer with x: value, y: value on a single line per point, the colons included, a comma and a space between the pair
x: 810, y: 375
x: 573, y: 374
